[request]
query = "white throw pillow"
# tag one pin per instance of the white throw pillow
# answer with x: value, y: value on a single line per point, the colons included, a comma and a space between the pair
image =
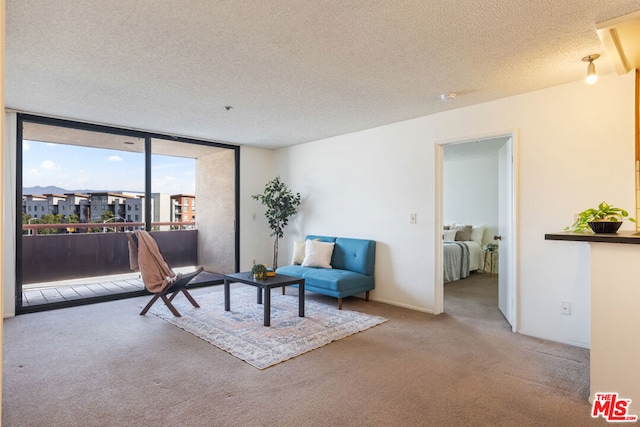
x: 477, y: 233
x: 317, y: 254
x: 298, y: 253
x: 450, y: 235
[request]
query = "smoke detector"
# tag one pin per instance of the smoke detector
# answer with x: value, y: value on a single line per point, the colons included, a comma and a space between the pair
x: 445, y: 97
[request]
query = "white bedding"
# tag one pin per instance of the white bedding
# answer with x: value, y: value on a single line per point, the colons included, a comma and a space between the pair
x: 455, y: 261
x: 458, y: 256
x: 475, y: 255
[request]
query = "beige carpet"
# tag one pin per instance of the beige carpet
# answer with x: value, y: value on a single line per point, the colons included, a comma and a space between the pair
x: 241, y: 330
x: 104, y: 365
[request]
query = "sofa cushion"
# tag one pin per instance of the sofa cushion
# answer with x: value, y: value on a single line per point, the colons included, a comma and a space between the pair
x: 354, y: 255
x: 292, y: 270
x: 334, y: 280
x: 318, y: 254
x: 298, y: 252
x: 351, y: 254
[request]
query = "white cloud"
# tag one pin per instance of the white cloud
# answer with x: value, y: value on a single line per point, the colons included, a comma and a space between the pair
x: 49, y: 165
x: 172, y: 184
x: 32, y: 177
x: 26, y: 146
x: 115, y: 158
x: 33, y: 174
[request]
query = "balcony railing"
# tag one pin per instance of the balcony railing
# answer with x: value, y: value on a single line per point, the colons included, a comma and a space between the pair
x: 122, y: 226
x: 66, y: 256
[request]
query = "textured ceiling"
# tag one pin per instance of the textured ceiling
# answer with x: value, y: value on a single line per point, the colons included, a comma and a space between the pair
x: 294, y: 71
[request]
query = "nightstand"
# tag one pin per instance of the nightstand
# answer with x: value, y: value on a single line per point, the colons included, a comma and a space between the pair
x: 490, y: 256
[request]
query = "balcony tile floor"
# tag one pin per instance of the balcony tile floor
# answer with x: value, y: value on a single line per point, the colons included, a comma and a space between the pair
x: 52, y: 292
x: 68, y: 292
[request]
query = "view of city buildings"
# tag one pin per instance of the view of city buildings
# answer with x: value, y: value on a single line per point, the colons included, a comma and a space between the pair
x: 102, y: 207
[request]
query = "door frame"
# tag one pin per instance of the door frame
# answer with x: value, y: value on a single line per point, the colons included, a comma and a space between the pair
x: 438, y: 306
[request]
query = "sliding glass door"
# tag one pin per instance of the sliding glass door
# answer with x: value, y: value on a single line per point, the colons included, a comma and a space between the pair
x: 81, y: 187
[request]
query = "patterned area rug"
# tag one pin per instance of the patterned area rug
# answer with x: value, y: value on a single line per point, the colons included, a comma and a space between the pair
x: 241, y: 331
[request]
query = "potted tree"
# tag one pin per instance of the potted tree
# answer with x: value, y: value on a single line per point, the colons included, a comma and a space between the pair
x: 603, y: 219
x: 281, y: 204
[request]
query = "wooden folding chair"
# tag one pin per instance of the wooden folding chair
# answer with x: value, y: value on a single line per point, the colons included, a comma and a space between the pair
x: 173, y: 288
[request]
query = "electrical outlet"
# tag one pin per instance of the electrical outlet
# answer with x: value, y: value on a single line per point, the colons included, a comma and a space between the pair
x: 414, y: 218
x: 565, y: 308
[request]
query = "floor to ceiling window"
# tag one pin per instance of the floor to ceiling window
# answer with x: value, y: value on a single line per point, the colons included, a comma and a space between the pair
x: 81, y: 187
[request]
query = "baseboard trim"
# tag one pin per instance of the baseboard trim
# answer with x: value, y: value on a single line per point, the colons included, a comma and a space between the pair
x: 555, y: 339
x: 407, y: 306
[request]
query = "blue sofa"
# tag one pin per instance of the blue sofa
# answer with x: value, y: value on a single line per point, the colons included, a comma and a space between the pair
x: 352, y: 263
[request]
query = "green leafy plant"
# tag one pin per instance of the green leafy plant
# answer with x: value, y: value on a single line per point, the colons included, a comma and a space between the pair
x: 281, y: 204
x: 491, y: 247
x: 259, y: 271
x: 604, y: 212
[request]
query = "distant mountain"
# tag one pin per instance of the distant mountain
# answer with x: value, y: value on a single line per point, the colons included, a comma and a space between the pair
x: 52, y: 189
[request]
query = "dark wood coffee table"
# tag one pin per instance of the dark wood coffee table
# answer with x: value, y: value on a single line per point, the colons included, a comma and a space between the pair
x: 277, y: 281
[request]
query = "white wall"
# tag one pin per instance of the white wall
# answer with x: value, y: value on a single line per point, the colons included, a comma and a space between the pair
x: 366, y: 185
x: 256, y: 168
x: 470, y: 184
x: 576, y: 148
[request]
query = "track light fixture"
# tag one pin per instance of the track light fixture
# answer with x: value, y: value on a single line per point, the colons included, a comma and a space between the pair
x: 591, y: 68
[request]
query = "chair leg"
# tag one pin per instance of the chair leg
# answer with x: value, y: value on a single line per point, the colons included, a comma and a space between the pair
x: 148, y: 306
x: 190, y: 298
x: 169, y: 305
x: 339, y: 303
x: 366, y: 296
x: 168, y: 300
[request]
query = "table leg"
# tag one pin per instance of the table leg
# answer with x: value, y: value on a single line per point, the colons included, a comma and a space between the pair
x: 227, y: 303
x: 301, y: 299
x: 491, y: 265
x: 259, y: 295
x: 267, y: 307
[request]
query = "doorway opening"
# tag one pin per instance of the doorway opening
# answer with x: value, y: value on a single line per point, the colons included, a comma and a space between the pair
x: 476, y: 218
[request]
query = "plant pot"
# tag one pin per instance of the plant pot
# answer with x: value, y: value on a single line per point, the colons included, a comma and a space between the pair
x: 605, y: 226
x: 260, y: 276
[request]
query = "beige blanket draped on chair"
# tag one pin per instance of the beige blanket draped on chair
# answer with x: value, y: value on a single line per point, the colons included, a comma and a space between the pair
x: 156, y: 273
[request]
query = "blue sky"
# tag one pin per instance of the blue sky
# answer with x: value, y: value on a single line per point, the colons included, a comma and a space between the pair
x: 80, y: 168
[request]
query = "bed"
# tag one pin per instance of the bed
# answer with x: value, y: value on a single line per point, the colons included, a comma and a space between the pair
x: 462, y: 251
